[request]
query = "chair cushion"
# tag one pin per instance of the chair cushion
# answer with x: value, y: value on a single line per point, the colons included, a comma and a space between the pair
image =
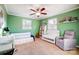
x: 60, y: 43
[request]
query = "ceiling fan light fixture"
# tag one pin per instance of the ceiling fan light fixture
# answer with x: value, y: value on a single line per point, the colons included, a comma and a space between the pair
x: 37, y: 14
x: 39, y: 11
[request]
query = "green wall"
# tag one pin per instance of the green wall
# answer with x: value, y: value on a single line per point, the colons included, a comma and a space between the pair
x: 15, y: 24
x: 67, y: 26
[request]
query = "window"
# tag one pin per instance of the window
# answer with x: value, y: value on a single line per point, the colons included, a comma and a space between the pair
x: 52, y: 24
x: 52, y: 21
x: 27, y: 24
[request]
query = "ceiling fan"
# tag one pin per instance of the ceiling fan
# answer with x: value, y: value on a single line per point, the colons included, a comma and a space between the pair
x: 38, y: 12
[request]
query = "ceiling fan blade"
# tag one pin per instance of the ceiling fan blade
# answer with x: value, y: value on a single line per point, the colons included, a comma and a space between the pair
x: 32, y: 14
x: 42, y: 9
x: 33, y: 10
x: 44, y: 13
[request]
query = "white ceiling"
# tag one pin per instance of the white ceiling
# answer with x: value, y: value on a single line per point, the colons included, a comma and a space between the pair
x: 51, y: 9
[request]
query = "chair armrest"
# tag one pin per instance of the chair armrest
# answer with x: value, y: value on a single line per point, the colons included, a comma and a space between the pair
x: 60, y: 37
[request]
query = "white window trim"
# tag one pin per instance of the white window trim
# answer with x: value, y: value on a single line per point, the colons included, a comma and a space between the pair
x: 52, y: 24
x: 28, y: 26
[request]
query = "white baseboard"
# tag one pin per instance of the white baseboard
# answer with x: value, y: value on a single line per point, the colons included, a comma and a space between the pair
x: 48, y: 40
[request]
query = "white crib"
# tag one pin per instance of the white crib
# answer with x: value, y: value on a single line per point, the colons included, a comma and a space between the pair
x: 21, y: 38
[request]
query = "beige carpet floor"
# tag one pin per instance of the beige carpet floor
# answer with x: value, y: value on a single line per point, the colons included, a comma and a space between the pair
x: 40, y: 47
